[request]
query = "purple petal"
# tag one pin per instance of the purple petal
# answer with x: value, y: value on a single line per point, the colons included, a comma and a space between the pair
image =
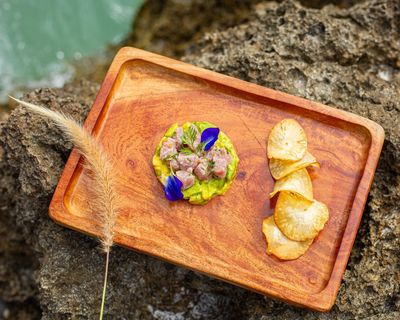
x: 208, y: 137
x: 173, y: 188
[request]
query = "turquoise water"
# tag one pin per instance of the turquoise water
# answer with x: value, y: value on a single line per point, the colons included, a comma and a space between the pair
x: 39, y: 37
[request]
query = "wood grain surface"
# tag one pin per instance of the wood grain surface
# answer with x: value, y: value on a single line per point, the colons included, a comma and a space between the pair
x: 142, y: 95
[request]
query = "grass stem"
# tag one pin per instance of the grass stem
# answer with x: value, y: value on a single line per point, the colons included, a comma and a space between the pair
x: 103, y: 300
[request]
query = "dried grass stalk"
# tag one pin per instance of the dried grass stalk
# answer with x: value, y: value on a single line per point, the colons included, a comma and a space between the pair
x: 101, y: 167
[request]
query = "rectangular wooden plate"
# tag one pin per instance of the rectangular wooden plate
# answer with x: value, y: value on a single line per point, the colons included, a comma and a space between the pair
x: 142, y: 95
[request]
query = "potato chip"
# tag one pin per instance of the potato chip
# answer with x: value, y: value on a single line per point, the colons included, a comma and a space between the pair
x: 281, y: 246
x: 298, y: 218
x: 281, y: 168
x: 287, y: 141
x: 298, y: 181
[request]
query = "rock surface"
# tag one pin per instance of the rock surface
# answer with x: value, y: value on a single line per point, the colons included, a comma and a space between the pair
x: 172, y: 27
x: 345, y: 58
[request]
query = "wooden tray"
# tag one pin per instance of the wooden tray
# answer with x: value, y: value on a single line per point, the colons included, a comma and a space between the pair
x: 142, y: 95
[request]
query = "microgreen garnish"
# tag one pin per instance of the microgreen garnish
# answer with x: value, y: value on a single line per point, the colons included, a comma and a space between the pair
x: 186, y: 151
x: 200, y: 147
x: 172, y: 156
x: 189, y: 137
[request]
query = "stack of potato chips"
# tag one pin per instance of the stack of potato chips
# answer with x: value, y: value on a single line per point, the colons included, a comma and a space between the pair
x: 298, y: 217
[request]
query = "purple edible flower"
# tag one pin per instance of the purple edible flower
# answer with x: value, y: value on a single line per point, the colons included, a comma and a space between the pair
x: 173, y: 188
x: 208, y: 137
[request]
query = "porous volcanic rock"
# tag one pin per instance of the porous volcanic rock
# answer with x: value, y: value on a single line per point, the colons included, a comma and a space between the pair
x: 171, y: 27
x: 345, y: 58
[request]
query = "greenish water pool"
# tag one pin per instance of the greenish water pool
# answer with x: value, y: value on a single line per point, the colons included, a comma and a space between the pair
x: 38, y: 37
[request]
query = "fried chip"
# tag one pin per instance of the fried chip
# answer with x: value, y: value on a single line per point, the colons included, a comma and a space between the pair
x: 298, y: 181
x: 287, y: 141
x: 281, y: 246
x: 281, y: 168
x: 298, y: 218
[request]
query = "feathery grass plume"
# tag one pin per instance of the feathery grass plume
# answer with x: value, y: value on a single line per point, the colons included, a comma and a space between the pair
x: 103, y: 177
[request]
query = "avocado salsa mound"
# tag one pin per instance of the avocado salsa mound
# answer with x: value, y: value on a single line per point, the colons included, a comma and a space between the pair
x: 195, y: 161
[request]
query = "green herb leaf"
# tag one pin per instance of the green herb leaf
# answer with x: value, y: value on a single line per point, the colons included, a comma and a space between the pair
x: 189, y: 137
x: 172, y: 156
x: 186, y: 151
x: 200, y: 147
